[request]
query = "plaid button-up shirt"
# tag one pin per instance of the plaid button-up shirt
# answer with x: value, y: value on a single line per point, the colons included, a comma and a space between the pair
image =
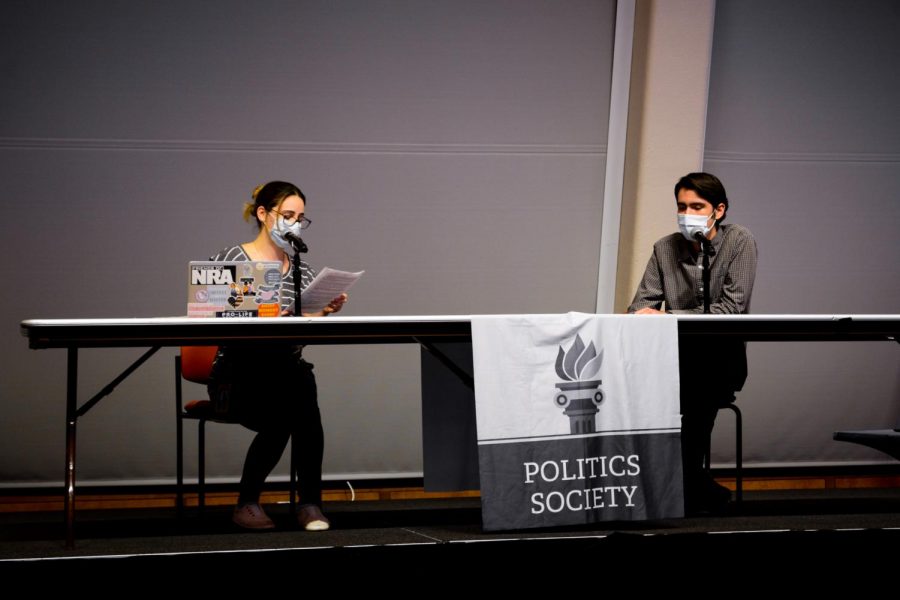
x: 674, y: 275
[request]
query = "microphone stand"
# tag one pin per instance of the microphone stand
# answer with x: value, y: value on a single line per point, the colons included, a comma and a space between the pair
x: 706, y: 248
x: 299, y: 247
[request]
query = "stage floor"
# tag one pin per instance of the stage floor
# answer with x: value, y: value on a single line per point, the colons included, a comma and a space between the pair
x: 829, y: 527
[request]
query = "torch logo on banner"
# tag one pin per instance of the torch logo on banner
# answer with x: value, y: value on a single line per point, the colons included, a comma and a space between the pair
x: 579, y: 396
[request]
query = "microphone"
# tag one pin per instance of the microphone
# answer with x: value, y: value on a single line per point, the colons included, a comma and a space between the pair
x: 298, y: 244
x: 705, y: 243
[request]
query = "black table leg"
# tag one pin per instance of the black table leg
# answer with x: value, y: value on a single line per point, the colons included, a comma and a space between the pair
x: 71, y: 421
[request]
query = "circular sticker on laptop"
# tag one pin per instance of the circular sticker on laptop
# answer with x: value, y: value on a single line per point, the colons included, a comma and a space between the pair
x: 272, y: 277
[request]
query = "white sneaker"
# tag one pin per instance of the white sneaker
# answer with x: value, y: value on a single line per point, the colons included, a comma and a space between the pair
x: 311, y: 518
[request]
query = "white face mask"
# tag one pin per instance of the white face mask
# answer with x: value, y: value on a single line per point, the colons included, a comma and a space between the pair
x: 277, y: 234
x: 691, y: 225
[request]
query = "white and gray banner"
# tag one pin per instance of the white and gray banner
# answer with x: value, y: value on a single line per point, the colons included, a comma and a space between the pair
x: 578, y: 418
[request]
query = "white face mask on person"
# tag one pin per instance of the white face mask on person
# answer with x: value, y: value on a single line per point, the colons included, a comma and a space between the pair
x: 277, y: 233
x: 691, y: 225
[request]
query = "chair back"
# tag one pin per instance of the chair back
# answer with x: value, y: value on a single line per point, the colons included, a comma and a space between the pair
x: 197, y: 362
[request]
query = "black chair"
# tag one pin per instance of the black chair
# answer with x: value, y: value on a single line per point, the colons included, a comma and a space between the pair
x: 194, y: 364
x: 738, y: 448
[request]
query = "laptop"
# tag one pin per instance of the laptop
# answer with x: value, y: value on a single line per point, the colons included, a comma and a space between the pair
x: 234, y: 289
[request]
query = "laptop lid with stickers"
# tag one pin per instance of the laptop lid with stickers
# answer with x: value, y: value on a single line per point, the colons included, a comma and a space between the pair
x: 234, y: 289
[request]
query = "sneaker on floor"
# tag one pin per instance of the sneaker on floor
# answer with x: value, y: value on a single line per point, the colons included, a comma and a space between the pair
x: 311, y: 518
x: 251, y: 516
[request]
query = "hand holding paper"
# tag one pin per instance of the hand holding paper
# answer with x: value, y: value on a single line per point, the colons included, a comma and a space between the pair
x: 327, y: 286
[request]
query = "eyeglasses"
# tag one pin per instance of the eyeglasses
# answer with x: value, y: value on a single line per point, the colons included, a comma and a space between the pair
x: 290, y: 218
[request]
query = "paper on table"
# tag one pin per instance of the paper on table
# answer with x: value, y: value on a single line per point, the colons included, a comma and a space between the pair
x: 327, y: 285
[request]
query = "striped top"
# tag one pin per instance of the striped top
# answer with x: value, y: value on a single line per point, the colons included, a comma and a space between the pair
x: 674, y: 274
x: 307, y: 274
x: 231, y: 361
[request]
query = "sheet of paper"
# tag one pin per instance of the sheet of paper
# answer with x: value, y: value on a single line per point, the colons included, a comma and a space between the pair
x: 327, y: 285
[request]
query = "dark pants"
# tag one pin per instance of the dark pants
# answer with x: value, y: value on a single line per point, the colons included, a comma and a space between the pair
x: 272, y: 392
x: 698, y: 415
x: 710, y: 372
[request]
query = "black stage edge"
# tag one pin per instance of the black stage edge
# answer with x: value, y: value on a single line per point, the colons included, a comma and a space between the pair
x: 829, y: 535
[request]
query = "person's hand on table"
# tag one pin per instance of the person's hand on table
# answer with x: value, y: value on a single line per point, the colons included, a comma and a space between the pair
x: 649, y: 311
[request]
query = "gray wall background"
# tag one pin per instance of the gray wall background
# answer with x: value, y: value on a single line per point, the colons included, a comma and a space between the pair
x: 804, y: 130
x: 453, y: 150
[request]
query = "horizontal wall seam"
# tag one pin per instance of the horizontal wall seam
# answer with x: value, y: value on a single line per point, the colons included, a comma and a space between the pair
x: 18, y: 143
x: 815, y: 157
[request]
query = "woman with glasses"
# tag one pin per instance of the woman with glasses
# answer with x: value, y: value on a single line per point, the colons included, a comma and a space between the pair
x: 271, y: 389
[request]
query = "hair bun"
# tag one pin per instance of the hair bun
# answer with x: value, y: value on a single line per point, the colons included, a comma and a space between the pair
x: 256, y: 190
